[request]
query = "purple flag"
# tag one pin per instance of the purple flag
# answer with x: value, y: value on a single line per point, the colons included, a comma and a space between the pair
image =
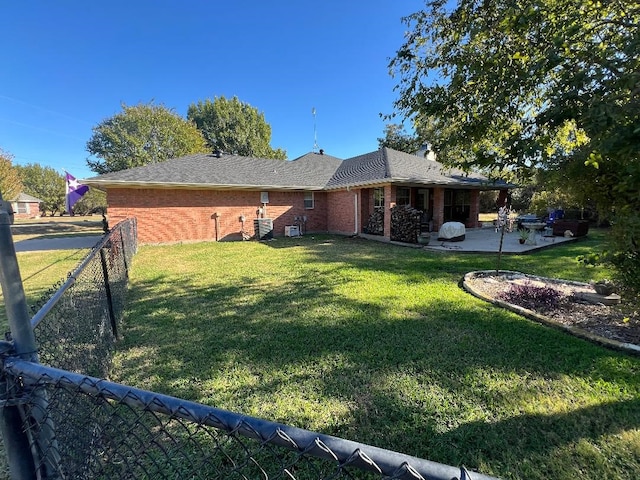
x: 75, y: 191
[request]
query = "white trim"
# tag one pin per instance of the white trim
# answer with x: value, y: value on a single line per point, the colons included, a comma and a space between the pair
x: 313, y: 201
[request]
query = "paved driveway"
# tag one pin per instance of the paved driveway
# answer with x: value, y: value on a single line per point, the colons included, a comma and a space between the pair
x: 62, y: 243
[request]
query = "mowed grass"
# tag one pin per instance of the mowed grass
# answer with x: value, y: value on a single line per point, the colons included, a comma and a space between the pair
x: 378, y: 343
x: 40, y: 273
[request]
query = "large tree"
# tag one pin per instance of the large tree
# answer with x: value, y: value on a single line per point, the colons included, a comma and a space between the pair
x: 139, y: 135
x: 522, y: 85
x: 92, y: 202
x: 396, y: 137
x: 10, y: 184
x: 235, y: 127
x: 46, y: 184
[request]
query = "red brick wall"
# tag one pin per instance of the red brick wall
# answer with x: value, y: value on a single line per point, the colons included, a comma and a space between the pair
x: 438, y: 208
x: 166, y: 215
x: 389, y: 203
x: 366, y: 207
x: 474, y: 209
x: 341, y: 212
x: 34, y: 210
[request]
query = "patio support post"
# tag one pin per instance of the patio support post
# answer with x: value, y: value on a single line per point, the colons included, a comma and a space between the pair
x: 474, y: 209
x: 438, y: 208
x: 389, y: 203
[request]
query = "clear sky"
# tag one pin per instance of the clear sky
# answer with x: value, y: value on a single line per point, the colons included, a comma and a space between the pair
x: 65, y: 66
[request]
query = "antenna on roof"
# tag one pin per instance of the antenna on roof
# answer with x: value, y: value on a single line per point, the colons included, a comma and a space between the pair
x: 315, y: 133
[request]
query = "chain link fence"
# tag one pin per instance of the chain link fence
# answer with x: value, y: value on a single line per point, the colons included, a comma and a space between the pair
x: 76, y: 325
x: 61, y: 419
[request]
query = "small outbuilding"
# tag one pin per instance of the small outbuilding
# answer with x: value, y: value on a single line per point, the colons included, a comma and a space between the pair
x: 26, y: 206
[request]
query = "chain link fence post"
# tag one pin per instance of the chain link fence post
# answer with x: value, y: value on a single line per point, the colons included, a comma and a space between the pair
x: 40, y: 457
x: 109, y: 297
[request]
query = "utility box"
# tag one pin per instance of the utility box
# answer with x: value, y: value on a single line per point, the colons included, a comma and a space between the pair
x: 263, y: 228
x: 291, y: 231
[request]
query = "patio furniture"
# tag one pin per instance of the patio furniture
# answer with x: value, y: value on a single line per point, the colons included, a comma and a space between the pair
x: 579, y: 228
x: 452, y: 232
x: 553, y: 216
x: 533, y: 228
x: 528, y: 218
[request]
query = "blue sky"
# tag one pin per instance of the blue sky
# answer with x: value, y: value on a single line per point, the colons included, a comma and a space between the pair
x: 68, y: 65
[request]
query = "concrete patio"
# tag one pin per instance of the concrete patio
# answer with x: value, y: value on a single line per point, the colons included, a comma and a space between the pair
x: 481, y: 240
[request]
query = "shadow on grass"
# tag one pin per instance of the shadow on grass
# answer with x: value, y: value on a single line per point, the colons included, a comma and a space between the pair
x: 559, y: 261
x: 445, y: 377
x: 46, y: 227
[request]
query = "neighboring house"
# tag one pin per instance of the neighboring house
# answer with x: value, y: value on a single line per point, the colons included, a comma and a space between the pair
x: 217, y: 197
x: 26, y: 206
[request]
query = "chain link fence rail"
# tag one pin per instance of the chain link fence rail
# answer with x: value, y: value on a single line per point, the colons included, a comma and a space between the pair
x: 73, y: 424
x: 105, y: 430
x: 76, y: 325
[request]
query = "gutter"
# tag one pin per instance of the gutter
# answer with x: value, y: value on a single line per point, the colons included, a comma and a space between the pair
x: 199, y: 186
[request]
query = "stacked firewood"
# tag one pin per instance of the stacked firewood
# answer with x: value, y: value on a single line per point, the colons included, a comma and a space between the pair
x: 375, y: 225
x: 405, y: 223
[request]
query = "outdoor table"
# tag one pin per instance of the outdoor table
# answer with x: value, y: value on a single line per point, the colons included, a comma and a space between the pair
x: 533, y: 228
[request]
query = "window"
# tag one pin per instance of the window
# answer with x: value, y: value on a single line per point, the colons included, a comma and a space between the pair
x: 23, y: 207
x: 378, y: 197
x: 308, y: 200
x: 457, y: 205
x: 402, y: 196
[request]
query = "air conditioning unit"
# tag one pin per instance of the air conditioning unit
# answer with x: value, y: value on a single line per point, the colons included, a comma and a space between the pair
x: 291, y: 231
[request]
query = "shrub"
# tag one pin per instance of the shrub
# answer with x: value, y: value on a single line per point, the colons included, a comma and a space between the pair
x: 532, y: 296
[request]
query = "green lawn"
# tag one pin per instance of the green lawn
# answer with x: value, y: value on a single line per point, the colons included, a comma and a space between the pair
x: 40, y: 272
x: 378, y: 344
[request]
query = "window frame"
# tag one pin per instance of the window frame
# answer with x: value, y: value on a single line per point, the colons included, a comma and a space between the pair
x: 309, y: 203
x: 405, y: 198
x: 378, y: 197
x: 22, y: 208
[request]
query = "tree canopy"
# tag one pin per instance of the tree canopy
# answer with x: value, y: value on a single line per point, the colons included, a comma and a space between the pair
x: 233, y: 126
x: 396, y: 137
x: 522, y: 85
x: 94, y: 201
x: 139, y: 135
x: 10, y: 184
x: 46, y: 184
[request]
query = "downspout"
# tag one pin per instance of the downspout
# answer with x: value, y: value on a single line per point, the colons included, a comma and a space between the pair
x: 217, y: 224
x: 355, y: 212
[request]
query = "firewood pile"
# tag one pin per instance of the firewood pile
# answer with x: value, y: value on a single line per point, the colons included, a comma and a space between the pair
x: 405, y: 223
x: 375, y: 225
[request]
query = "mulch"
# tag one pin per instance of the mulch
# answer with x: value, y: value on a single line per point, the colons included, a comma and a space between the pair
x: 620, y: 323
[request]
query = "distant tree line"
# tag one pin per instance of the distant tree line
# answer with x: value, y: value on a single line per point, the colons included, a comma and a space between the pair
x: 46, y: 184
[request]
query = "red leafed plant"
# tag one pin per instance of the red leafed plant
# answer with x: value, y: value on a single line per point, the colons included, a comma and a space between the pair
x: 532, y: 296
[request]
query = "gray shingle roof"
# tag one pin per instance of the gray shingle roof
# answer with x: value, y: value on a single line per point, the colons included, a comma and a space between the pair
x: 309, y: 172
x: 26, y: 198
x: 387, y: 165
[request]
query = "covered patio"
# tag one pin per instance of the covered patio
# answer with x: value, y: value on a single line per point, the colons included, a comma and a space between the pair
x: 487, y: 240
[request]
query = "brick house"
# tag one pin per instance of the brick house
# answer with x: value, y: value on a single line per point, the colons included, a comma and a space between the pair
x: 26, y: 206
x: 219, y: 197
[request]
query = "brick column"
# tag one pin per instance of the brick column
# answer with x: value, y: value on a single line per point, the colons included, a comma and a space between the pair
x: 474, y: 209
x: 502, y: 198
x: 438, y: 208
x: 389, y: 203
